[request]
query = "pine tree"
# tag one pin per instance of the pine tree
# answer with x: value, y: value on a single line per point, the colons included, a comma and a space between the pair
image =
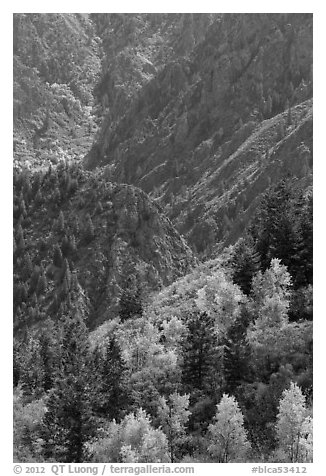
x: 302, y: 268
x: 89, y: 231
x: 72, y: 244
x: 34, y: 280
x: 37, y: 180
x: 22, y: 208
x: 289, y: 113
x: 227, y: 437
x: 130, y: 305
x: 65, y: 246
x: 269, y: 105
x: 61, y: 223
x: 274, y: 228
x: 110, y: 391
x: 16, y: 360
x: 68, y: 422
x: 27, y: 266
x: 21, y: 244
x: 67, y: 273
x: 76, y: 225
x: 281, y: 129
x: 14, y: 246
x: 57, y: 256
x: 41, y: 284
x: 31, y: 368
x: 200, y: 354
x: 245, y: 263
x: 99, y: 208
x: 38, y: 198
x: 49, y: 353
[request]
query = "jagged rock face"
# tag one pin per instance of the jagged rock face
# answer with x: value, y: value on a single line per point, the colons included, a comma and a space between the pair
x: 131, y: 233
x: 136, y: 47
x: 215, y: 126
x: 131, y: 237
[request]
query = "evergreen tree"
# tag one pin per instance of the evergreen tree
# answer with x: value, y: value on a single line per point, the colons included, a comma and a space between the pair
x: 41, y: 284
x: 27, y: 266
x: 289, y: 115
x: 302, y: 268
x: 33, y: 281
x: 37, y: 181
x: 76, y: 225
x: 200, y: 354
x: 99, y: 208
x: 72, y: 245
x: 245, y: 263
x: 130, y: 305
x: 89, y: 231
x: 61, y: 223
x: 67, y: 273
x: 31, y: 368
x: 110, y: 390
x: 19, y: 231
x: 38, y: 198
x: 282, y: 228
x: 68, y: 422
x: 269, y: 105
x: 16, y: 360
x: 57, y: 256
x: 22, y: 208
x: 65, y: 246
x: 21, y: 244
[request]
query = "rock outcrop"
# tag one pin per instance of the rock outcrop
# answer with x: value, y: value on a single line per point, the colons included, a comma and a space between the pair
x: 109, y: 233
x: 216, y: 125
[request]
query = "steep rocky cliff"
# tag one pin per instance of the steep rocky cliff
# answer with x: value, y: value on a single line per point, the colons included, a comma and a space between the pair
x: 225, y: 116
x: 71, y: 223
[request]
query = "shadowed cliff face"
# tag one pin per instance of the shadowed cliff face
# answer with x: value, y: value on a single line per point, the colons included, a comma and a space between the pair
x: 110, y: 234
x: 226, y: 115
x: 201, y: 111
x: 131, y: 235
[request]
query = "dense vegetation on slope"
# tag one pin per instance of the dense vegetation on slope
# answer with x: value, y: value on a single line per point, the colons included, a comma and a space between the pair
x: 126, y: 347
x: 238, y: 325
x: 73, y: 226
x: 165, y: 364
x: 56, y: 63
x: 220, y: 122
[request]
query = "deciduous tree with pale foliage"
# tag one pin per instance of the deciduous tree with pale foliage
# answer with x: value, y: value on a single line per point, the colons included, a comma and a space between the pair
x: 227, y: 436
x: 173, y: 415
x: 134, y: 440
x: 294, y: 426
x: 271, y: 301
x: 220, y: 299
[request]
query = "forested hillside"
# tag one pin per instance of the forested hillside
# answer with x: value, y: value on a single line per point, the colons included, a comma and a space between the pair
x: 56, y: 62
x: 163, y: 238
x: 226, y: 115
